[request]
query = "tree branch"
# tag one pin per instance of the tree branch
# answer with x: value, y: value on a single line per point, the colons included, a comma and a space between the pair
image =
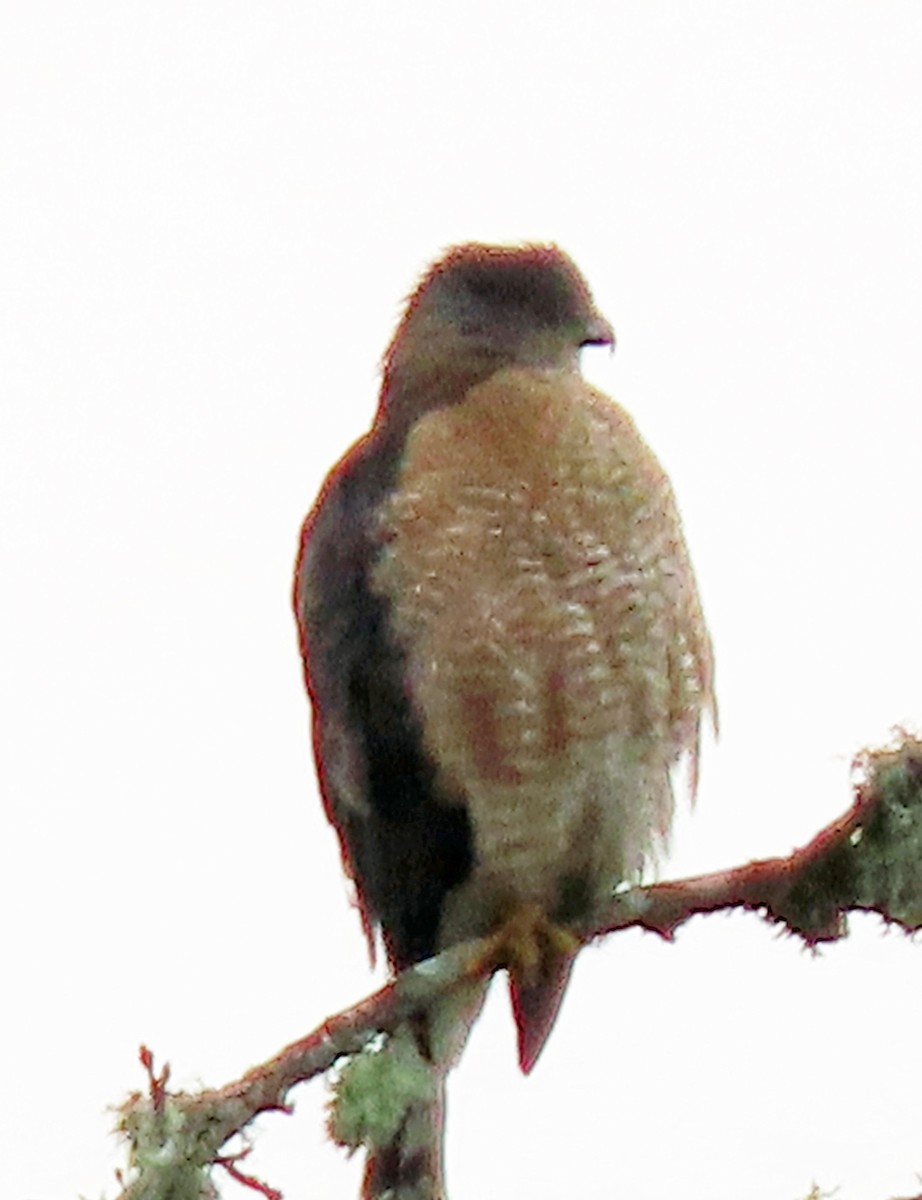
x: 866, y: 860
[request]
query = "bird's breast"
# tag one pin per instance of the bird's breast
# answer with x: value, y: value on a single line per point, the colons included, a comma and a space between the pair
x: 535, y: 577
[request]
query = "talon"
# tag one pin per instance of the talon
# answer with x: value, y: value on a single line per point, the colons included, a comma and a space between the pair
x: 526, y: 942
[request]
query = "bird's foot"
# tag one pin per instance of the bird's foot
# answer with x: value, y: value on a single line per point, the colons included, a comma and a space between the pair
x: 526, y: 942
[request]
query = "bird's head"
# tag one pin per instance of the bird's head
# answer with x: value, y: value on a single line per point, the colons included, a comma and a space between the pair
x: 480, y: 308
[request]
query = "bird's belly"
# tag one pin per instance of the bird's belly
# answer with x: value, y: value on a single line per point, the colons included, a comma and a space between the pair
x: 558, y: 840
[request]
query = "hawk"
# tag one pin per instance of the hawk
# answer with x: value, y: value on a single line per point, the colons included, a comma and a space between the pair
x: 502, y: 637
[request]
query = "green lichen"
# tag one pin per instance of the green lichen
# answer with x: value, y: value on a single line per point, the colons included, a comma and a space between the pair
x: 888, y: 849
x: 878, y: 864
x: 165, y: 1151
x: 376, y: 1089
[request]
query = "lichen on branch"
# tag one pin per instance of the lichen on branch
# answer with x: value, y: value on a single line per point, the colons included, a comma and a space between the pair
x: 867, y: 860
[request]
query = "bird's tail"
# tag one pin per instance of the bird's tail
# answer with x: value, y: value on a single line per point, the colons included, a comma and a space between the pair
x: 536, y: 992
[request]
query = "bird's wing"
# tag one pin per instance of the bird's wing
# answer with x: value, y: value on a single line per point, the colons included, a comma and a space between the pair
x: 404, y: 842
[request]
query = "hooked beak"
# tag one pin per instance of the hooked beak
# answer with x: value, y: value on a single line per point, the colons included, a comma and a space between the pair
x: 598, y: 333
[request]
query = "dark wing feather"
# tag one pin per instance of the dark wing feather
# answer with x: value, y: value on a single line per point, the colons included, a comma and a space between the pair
x: 404, y: 844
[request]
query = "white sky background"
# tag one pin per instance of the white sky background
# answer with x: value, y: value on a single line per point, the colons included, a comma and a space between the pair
x: 209, y: 215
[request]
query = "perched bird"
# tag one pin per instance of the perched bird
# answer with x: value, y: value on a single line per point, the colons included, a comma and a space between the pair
x: 502, y: 637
